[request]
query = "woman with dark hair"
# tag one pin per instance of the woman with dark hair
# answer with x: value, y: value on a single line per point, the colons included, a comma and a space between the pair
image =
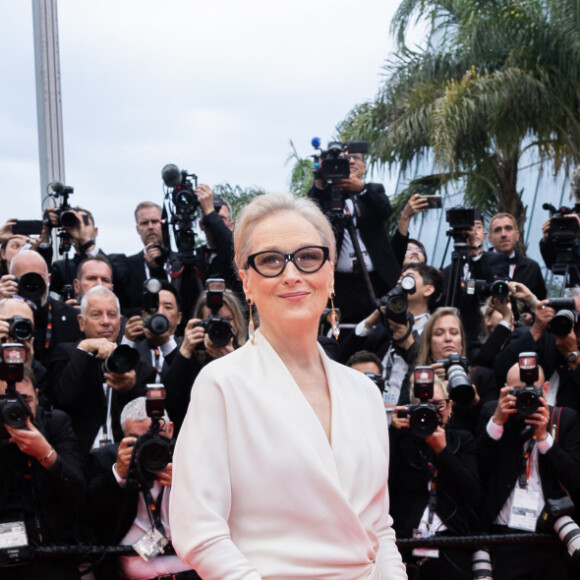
x: 198, y: 348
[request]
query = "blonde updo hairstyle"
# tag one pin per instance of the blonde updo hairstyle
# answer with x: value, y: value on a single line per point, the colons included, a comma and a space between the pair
x: 270, y: 204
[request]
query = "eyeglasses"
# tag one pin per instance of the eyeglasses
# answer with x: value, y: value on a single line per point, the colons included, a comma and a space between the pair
x: 272, y: 263
x: 411, y: 249
x: 440, y: 404
x: 354, y: 157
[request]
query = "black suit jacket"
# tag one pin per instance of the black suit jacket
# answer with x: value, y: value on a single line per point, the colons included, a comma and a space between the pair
x: 75, y: 385
x: 53, y: 495
x: 501, y: 461
x: 372, y: 208
x: 527, y: 272
x: 65, y: 328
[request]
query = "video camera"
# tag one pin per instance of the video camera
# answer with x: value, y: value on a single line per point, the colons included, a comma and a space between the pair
x: 152, y: 451
x: 396, y: 301
x: 460, y: 220
x: 155, y: 322
x: 528, y: 396
x: 67, y: 217
x: 459, y: 387
x: 332, y: 164
x: 562, y: 230
x: 13, y: 409
x: 219, y: 330
x: 565, y: 318
x: 424, y: 417
x: 556, y: 515
x: 184, y: 203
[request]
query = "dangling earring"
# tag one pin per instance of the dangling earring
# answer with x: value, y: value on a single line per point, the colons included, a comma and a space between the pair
x: 251, y: 329
x: 334, y: 321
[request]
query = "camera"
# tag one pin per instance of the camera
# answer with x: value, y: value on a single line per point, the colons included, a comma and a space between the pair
x: 377, y: 379
x: 152, y: 451
x: 122, y: 360
x: 460, y: 219
x: 460, y: 387
x: 219, y: 330
x: 556, y: 515
x: 528, y: 396
x: 396, y: 301
x: 13, y: 409
x: 155, y: 322
x: 565, y: 318
x: 496, y: 289
x: 331, y: 164
x: 562, y: 229
x: 31, y: 286
x: 424, y: 417
x: 20, y: 328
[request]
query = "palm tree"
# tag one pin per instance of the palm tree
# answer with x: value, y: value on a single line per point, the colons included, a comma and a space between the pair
x: 495, y: 79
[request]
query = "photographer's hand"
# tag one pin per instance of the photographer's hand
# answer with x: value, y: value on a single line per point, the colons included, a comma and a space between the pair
x: 121, y: 382
x: 81, y: 233
x: 522, y: 292
x: 100, y: 347
x: 217, y: 351
x: 398, y: 331
x: 152, y: 253
x: 164, y: 477
x: 506, y: 406
x: 352, y: 184
x: 32, y: 442
x: 545, y: 229
x: 417, y: 203
x: 544, y: 315
x: 8, y: 286
x: 124, y: 454
x: 440, y: 371
x: 192, y: 336
x: 437, y: 440
x: 539, y: 420
x: 400, y: 422
x: 6, y: 229
x: 205, y: 196
x: 134, y: 328
x: 566, y: 345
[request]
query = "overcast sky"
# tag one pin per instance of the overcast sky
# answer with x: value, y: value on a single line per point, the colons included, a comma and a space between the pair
x: 217, y: 87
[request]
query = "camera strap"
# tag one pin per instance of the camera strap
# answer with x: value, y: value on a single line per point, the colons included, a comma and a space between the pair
x: 526, y: 463
x: 154, y: 509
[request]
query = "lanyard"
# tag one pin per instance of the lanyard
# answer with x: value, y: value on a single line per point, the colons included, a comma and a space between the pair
x: 154, y: 509
x: 526, y: 464
x: 48, y: 336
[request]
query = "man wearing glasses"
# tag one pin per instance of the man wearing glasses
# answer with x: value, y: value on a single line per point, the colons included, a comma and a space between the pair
x: 368, y: 206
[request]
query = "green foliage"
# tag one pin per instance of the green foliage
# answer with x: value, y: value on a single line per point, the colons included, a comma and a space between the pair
x: 236, y: 196
x: 302, y: 175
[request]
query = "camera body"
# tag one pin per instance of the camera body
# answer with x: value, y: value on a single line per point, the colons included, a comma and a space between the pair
x: 152, y: 451
x: 331, y: 164
x: 528, y: 396
x: 31, y: 286
x: 424, y: 417
x: 562, y: 231
x: 496, y: 289
x: 457, y: 369
x: 20, y: 328
x: 122, y: 360
x: 460, y: 220
x: 396, y: 300
x: 182, y: 185
x: 377, y: 379
x: 13, y: 409
x: 556, y: 516
x: 565, y: 318
x: 219, y: 330
x: 155, y: 322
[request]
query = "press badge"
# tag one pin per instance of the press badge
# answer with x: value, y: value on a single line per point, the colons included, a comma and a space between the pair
x: 424, y: 552
x: 151, y: 544
x: 524, y: 513
x: 13, y: 535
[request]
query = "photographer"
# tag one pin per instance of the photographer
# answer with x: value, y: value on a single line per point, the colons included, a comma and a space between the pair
x: 152, y: 262
x: 443, y: 337
x: 555, y: 249
x: 117, y: 506
x: 41, y: 485
x: 54, y: 321
x: 396, y: 342
x: 436, y: 489
x: 558, y: 353
x: 526, y: 459
x: 198, y: 349
x: 368, y: 206
x: 156, y: 349
x: 92, y: 271
x: 81, y: 379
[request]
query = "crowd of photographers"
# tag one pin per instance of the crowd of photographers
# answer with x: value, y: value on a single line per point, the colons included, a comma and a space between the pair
x: 478, y: 370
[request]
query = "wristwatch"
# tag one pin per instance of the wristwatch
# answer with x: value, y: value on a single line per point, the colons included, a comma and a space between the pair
x: 572, y: 356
